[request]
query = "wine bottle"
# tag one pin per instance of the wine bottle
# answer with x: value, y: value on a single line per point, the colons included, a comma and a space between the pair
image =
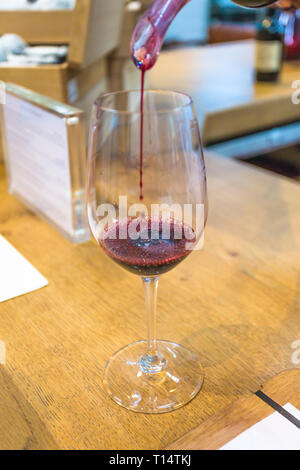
x: 291, y: 22
x: 269, y: 47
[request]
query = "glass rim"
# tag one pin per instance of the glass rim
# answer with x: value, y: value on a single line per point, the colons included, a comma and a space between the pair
x: 189, y: 101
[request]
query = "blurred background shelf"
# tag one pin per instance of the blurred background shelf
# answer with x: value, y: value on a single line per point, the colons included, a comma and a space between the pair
x: 36, y: 27
x: 58, y: 81
x: 91, y: 29
x: 238, y: 116
x: 209, y: 53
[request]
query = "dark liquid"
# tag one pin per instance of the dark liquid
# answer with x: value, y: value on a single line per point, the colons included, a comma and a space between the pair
x: 142, y: 133
x: 146, y: 43
x: 147, y: 256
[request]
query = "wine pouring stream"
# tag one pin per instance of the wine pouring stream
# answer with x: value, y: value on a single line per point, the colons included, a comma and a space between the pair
x: 147, y: 40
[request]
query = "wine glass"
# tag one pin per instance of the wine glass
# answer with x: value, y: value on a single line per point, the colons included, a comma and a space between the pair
x: 147, y: 208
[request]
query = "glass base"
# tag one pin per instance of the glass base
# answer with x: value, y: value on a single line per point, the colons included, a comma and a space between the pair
x: 176, y: 384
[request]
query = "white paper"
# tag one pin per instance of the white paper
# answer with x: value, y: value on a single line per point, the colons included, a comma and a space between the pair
x: 17, y: 275
x: 38, y: 149
x: 38, y: 5
x: 272, y: 433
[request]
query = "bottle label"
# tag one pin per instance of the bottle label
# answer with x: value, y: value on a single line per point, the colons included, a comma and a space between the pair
x: 268, y: 56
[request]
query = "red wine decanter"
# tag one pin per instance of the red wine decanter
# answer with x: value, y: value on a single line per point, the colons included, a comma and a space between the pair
x: 148, y: 35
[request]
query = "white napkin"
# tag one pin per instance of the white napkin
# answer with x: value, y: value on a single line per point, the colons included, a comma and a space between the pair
x: 17, y: 275
x: 272, y: 433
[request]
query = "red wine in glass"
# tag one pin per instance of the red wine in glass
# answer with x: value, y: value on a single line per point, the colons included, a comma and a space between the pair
x: 149, y: 376
x: 154, y: 252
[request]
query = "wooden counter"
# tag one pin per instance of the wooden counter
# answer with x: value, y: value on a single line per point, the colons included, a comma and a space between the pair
x: 221, y: 80
x: 236, y: 303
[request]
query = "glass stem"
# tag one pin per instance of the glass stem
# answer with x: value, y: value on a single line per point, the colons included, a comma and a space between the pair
x: 152, y: 362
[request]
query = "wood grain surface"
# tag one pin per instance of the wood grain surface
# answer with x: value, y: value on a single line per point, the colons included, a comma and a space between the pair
x: 242, y: 414
x: 236, y: 304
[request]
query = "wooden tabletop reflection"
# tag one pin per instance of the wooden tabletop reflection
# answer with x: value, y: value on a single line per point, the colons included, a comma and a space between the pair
x: 236, y: 303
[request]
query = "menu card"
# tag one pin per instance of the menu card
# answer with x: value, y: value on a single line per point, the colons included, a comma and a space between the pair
x: 272, y: 433
x: 45, y: 157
